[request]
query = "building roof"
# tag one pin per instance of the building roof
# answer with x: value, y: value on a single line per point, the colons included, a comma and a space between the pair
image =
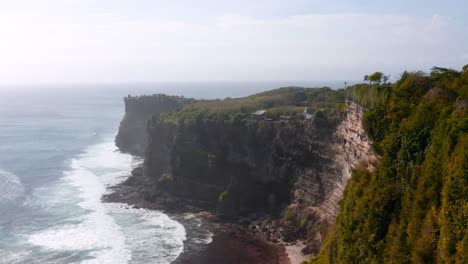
x: 259, y: 112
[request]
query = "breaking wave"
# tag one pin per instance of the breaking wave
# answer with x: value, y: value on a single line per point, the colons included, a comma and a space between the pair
x: 108, y: 232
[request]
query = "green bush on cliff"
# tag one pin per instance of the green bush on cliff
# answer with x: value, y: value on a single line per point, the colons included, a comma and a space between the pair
x: 166, y: 177
x: 413, y: 208
x: 222, y: 196
x: 288, y: 214
x: 369, y: 95
x: 276, y: 112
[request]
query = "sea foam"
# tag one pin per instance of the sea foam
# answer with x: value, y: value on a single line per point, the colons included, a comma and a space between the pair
x: 109, y: 233
x: 11, y: 188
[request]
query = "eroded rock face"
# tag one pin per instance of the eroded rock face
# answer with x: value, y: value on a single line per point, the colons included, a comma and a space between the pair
x: 317, y: 191
x: 132, y: 136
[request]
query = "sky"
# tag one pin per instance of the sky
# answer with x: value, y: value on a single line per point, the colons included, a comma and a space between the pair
x: 119, y: 41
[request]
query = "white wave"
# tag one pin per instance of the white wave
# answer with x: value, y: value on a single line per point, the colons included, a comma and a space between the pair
x: 108, y: 231
x: 12, y: 257
x: 199, y: 230
x: 188, y: 216
x: 207, y: 239
x: 11, y: 188
x: 96, y: 231
x: 152, y: 236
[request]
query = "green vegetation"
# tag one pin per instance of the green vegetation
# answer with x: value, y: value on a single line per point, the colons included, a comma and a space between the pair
x: 413, y: 208
x: 377, y: 78
x: 282, y: 101
x: 222, y: 196
x: 369, y: 95
x: 166, y: 177
x: 288, y: 214
x: 276, y: 112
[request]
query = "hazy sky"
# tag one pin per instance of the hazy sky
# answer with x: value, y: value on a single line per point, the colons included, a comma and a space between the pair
x: 55, y: 41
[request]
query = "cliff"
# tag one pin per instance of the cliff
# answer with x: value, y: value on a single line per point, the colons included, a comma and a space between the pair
x: 293, y: 170
x: 318, y: 188
x: 132, y: 136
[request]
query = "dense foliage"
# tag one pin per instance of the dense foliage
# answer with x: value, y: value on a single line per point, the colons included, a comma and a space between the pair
x: 413, y: 208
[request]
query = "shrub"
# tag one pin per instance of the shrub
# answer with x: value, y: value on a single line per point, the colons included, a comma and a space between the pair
x: 288, y: 214
x: 166, y: 177
x: 222, y: 196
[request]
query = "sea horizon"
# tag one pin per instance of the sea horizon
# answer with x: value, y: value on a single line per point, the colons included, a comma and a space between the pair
x: 195, y: 89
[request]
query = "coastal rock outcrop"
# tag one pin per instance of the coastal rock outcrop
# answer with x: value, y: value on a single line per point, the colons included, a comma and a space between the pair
x: 132, y: 137
x: 294, y: 170
x: 283, y: 171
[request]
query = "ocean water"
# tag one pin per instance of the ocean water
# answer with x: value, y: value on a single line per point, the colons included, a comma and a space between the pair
x: 57, y: 159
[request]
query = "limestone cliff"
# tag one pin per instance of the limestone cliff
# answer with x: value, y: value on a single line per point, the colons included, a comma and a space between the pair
x: 293, y: 170
x: 318, y: 189
x: 132, y: 136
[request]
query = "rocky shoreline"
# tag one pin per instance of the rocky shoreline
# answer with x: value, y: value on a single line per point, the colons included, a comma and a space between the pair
x: 239, y: 242
x: 236, y: 244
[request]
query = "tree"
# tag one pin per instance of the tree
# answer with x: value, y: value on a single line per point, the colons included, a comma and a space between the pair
x: 465, y: 68
x: 300, y: 96
x: 376, y: 77
x: 444, y: 74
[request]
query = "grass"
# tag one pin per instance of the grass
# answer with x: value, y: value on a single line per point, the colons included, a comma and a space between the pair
x: 282, y: 101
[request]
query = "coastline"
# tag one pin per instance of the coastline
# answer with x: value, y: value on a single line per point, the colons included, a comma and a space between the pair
x: 231, y: 243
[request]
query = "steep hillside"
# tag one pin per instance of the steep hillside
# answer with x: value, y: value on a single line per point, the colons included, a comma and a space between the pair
x: 413, y: 208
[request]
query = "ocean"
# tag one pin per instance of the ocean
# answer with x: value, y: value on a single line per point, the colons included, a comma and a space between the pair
x: 57, y: 159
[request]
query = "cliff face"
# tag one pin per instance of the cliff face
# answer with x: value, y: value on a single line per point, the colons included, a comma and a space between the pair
x: 239, y: 167
x: 132, y: 136
x: 350, y: 146
x: 295, y: 170
x: 318, y: 189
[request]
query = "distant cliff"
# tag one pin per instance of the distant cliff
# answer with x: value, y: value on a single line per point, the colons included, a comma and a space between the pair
x: 132, y: 136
